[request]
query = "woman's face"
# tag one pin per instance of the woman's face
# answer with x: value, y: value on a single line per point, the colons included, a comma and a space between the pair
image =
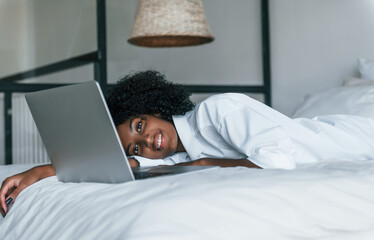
x: 149, y: 136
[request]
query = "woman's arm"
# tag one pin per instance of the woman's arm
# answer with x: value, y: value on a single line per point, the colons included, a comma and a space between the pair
x: 220, y: 162
x: 13, y: 185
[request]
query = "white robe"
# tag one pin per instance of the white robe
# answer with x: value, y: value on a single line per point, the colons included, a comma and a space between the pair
x: 236, y: 126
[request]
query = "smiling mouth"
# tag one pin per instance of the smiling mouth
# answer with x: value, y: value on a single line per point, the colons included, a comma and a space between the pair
x: 159, y: 141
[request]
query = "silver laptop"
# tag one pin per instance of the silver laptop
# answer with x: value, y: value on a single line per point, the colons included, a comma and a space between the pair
x: 80, y: 137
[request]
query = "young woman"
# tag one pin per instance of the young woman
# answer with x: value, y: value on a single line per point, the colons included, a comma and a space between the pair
x: 155, y: 119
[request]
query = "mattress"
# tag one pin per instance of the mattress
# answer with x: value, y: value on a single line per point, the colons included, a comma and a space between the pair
x: 327, y: 200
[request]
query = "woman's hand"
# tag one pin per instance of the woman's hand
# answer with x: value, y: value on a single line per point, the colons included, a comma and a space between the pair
x: 133, y: 162
x: 220, y: 162
x: 13, y: 185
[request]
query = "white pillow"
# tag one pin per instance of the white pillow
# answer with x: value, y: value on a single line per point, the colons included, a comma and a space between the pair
x: 355, y: 100
x: 366, y: 68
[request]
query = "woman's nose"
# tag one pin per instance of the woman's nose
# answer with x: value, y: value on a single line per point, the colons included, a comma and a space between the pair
x: 148, y: 140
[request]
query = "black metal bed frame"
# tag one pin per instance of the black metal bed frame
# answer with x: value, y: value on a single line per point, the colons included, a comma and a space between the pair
x: 8, y: 84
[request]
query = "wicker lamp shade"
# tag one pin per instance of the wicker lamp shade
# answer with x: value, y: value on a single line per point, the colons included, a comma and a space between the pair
x: 170, y: 23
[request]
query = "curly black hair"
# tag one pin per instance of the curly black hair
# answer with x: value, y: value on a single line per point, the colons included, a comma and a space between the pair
x: 147, y: 93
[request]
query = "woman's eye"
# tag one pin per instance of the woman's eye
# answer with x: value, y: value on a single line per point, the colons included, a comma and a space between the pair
x: 139, y: 127
x: 136, y: 149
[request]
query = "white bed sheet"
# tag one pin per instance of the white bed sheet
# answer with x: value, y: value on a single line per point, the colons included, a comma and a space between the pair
x: 322, y: 201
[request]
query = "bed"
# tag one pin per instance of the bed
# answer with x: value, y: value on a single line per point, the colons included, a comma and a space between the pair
x: 330, y: 200
x: 325, y: 200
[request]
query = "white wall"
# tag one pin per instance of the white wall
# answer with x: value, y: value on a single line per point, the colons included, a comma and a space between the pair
x: 315, y: 44
x: 63, y: 29
x: 14, y: 35
x: 232, y: 58
x: 38, y: 32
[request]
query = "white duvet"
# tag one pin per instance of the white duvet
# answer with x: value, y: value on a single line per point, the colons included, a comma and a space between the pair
x: 321, y: 201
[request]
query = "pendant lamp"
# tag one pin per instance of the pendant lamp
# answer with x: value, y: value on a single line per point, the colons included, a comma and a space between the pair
x: 170, y: 23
